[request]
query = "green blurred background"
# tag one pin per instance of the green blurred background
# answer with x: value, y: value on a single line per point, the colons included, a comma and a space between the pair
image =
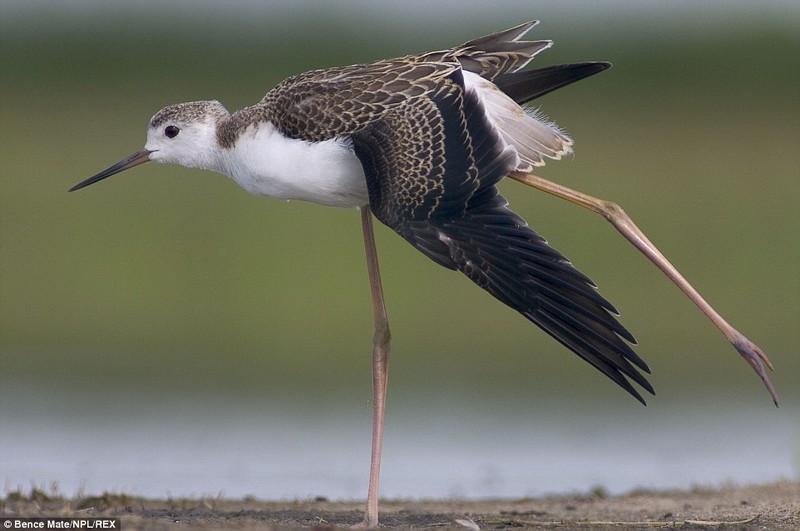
x: 168, y: 282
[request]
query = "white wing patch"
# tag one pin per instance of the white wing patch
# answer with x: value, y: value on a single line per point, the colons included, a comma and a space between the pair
x: 526, y: 131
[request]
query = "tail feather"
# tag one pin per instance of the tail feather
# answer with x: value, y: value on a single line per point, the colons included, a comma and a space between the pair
x: 490, y: 42
x: 523, y: 87
x: 496, y: 54
x: 492, y: 67
x: 533, y: 137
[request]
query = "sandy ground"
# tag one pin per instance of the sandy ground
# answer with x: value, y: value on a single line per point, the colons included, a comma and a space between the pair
x: 771, y: 506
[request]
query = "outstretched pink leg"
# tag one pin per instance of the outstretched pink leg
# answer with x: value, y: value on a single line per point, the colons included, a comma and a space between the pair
x: 624, y: 224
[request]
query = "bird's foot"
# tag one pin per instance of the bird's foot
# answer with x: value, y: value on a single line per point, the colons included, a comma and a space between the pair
x: 366, y: 523
x: 757, y: 359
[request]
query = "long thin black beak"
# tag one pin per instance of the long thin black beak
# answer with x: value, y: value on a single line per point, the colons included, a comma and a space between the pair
x: 140, y: 157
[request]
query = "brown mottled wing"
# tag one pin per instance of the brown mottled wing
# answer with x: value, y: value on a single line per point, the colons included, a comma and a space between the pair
x: 421, y: 166
x: 431, y: 165
x: 335, y: 102
x: 322, y: 104
x: 495, y: 54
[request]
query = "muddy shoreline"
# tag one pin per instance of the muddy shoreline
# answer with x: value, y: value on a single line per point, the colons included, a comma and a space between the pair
x: 769, y: 506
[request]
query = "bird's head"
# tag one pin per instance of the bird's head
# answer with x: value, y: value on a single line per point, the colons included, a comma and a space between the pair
x: 185, y: 134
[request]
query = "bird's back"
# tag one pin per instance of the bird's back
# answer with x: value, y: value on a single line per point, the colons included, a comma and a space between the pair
x: 321, y: 104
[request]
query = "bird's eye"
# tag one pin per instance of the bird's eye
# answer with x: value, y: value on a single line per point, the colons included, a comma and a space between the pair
x: 171, y: 131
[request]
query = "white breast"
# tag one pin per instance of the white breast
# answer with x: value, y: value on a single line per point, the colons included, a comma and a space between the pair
x: 265, y: 162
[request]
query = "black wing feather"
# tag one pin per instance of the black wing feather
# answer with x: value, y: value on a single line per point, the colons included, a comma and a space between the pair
x: 527, y: 85
x: 431, y: 165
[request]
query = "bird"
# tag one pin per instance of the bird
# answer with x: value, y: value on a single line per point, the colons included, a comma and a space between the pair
x: 420, y: 142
